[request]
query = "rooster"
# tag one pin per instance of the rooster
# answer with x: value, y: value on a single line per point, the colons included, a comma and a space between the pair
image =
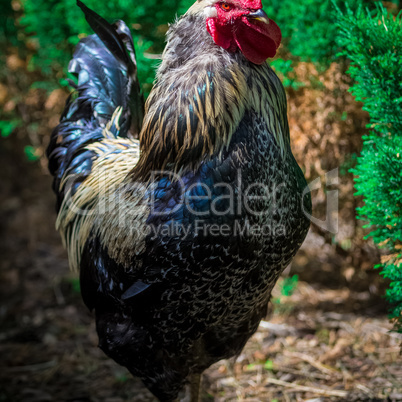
x: 180, y: 215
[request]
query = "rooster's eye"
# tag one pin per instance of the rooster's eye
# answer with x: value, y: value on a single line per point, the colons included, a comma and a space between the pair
x: 226, y: 7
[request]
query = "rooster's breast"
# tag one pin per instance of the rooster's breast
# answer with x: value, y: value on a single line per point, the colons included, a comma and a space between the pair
x: 215, y: 251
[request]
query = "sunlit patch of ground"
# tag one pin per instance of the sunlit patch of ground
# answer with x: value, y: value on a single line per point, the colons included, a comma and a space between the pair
x: 305, y: 354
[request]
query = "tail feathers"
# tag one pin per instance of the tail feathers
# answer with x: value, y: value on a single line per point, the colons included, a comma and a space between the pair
x: 67, y: 152
x: 106, y: 33
x: 105, y: 66
x: 102, y: 82
x: 136, y: 98
x: 118, y: 40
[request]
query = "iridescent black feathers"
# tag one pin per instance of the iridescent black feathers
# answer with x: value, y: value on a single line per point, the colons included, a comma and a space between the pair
x: 119, y: 42
x: 107, y: 79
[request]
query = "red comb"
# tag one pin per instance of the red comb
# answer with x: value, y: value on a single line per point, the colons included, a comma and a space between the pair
x: 255, y: 4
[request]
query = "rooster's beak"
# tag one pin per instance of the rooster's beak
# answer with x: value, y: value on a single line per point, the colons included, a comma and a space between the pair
x: 259, y: 15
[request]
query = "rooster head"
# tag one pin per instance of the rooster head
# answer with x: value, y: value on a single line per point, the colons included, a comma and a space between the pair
x: 242, y: 24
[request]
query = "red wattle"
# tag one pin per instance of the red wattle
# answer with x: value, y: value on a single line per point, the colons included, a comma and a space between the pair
x: 257, y: 42
x: 222, y: 35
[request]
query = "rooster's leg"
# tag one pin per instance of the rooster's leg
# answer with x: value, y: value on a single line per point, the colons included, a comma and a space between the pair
x: 193, y: 389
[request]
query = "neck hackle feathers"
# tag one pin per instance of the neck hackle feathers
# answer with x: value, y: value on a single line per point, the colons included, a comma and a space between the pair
x: 198, y: 100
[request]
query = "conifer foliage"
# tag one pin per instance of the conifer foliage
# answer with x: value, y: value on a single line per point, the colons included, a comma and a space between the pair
x: 373, y: 44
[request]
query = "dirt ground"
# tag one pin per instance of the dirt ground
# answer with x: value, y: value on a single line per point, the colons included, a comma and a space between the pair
x: 328, y: 341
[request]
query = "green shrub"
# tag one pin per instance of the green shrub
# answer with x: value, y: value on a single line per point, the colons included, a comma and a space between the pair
x: 308, y: 26
x: 7, y: 28
x: 373, y: 44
